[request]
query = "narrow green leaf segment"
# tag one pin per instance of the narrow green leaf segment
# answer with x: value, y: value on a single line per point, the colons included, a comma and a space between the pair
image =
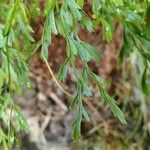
x: 65, y: 18
x: 13, y: 70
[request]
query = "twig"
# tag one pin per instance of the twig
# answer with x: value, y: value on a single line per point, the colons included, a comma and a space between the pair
x: 46, y: 121
x: 58, y: 101
x: 53, y: 76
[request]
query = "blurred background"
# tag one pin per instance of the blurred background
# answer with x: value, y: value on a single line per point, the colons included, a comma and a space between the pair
x: 46, y: 107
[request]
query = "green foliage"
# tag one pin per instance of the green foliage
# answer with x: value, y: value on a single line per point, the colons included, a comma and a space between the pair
x: 64, y: 18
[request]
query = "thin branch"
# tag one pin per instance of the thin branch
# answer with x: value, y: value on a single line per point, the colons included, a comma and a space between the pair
x: 86, y: 101
x: 53, y: 76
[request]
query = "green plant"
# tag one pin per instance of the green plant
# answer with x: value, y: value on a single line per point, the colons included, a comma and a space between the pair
x: 65, y: 17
